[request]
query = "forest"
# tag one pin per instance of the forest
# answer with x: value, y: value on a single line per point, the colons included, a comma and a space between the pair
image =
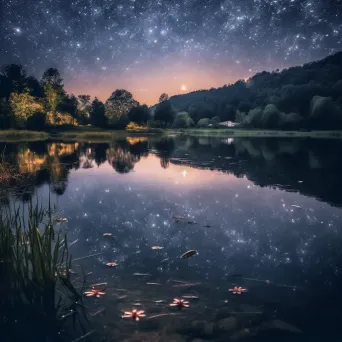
x: 308, y: 96
x: 304, y: 97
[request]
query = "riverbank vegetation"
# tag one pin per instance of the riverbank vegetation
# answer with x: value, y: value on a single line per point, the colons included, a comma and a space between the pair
x: 36, y: 291
x: 303, y: 97
x: 308, y: 96
x: 254, y: 133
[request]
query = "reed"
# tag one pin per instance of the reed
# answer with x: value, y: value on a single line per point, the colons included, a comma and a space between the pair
x: 36, y: 289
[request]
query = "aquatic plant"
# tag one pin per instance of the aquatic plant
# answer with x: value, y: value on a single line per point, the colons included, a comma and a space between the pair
x: 94, y: 292
x: 237, y: 290
x: 134, y: 314
x: 7, y: 171
x: 180, y: 303
x: 36, y: 290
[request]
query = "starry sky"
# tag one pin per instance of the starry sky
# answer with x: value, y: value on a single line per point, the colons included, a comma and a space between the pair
x: 173, y: 46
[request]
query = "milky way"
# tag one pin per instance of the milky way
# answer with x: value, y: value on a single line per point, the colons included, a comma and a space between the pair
x: 170, y: 45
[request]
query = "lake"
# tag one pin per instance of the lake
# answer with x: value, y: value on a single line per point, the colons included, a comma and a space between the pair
x: 263, y: 214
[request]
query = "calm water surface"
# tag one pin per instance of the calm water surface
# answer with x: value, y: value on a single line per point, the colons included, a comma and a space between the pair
x: 263, y: 214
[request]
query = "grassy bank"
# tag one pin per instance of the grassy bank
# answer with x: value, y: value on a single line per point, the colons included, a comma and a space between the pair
x: 101, y: 135
x: 235, y: 132
x: 20, y: 135
x: 76, y: 134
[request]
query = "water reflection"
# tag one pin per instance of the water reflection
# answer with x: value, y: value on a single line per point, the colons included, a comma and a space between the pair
x: 248, y: 218
x: 311, y: 167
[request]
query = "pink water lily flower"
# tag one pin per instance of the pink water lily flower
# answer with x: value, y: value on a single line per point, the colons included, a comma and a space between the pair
x: 180, y: 303
x: 94, y: 292
x: 134, y: 314
x: 237, y: 290
x: 111, y: 264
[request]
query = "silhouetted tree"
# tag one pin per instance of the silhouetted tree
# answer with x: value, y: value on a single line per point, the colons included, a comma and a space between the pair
x: 6, y: 118
x: 69, y: 105
x: 53, y: 92
x: 13, y: 80
x: 163, y: 97
x: 97, y: 114
x: 117, y: 107
x: 36, y: 122
x: 83, y: 109
x: 164, y: 148
x: 164, y: 113
x: 290, y: 91
x: 53, y: 77
x: 139, y: 114
x: 34, y: 87
x: 100, y: 153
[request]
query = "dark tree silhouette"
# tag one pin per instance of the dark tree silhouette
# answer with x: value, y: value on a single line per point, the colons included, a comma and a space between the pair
x: 304, y: 97
x: 100, y: 153
x: 52, y: 76
x: 97, y: 114
x: 69, y: 105
x: 165, y: 147
x: 291, y: 91
x: 83, y: 108
x: 164, y: 113
x: 163, y: 97
x: 118, y: 106
x: 13, y: 79
x: 139, y: 114
x: 34, y: 87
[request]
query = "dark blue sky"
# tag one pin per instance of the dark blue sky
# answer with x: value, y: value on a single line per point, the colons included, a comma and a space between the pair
x: 151, y: 46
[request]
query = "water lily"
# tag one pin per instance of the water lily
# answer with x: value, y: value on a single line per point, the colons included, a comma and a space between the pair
x: 111, y: 264
x: 94, y: 292
x: 134, y: 314
x: 180, y: 303
x: 237, y: 290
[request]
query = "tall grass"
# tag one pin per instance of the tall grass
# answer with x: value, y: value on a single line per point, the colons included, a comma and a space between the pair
x: 36, y: 290
x: 17, y: 135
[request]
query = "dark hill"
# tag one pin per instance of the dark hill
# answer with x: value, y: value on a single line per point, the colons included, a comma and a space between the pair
x: 308, y: 96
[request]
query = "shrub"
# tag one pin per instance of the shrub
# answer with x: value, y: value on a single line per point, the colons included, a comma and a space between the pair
x: 36, y: 122
x: 182, y: 120
x: 203, y: 123
x: 134, y: 126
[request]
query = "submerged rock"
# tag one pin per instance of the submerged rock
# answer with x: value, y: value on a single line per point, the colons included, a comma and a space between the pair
x: 227, y: 324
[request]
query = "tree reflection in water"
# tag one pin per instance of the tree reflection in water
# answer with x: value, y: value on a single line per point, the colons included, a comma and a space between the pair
x: 265, y: 161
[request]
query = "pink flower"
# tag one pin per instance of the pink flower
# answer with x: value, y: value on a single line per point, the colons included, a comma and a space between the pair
x: 134, y: 314
x: 237, y: 290
x: 180, y: 303
x: 94, y: 292
x: 111, y: 264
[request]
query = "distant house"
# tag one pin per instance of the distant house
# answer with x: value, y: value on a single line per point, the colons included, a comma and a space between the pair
x: 228, y: 123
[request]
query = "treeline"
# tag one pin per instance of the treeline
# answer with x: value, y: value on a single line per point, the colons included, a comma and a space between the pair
x: 308, y: 96
x: 26, y: 102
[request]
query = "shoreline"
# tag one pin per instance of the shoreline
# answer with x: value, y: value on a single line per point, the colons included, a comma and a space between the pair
x: 99, y: 135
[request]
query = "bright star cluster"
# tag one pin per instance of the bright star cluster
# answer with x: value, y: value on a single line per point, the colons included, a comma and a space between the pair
x: 146, y: 45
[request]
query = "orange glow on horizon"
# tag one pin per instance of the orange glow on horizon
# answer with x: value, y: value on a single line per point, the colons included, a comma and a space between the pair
x: 146, y: 85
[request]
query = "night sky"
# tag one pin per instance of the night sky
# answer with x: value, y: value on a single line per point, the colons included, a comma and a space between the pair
x: 173, y: 46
